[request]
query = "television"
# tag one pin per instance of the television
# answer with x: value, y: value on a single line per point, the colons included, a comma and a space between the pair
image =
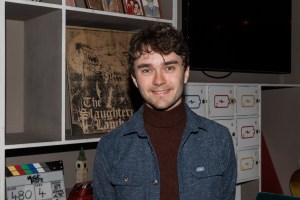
x: 238, y: 35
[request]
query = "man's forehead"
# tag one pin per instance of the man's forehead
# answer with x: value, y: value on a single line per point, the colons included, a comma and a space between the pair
x: 156, y: 55
x: 154, y: 58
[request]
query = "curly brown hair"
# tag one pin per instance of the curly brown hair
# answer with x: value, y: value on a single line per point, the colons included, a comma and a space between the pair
x: 161, y: 38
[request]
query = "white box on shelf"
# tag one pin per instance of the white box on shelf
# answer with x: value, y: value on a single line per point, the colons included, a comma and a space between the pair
x: 247, y: 165
x: 220, y: 101
x: 195, y: 97
x: 248, y: 130
x: 248, y: 100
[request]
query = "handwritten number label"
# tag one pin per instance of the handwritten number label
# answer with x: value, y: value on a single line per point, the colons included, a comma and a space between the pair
x: 21, y: 193
x: 57, y: 190
x: 41, y: 193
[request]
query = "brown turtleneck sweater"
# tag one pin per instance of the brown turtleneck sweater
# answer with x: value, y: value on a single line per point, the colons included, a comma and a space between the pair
x: 165, y: 129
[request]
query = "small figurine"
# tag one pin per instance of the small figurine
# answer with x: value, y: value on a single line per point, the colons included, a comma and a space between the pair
x: 81, y: 167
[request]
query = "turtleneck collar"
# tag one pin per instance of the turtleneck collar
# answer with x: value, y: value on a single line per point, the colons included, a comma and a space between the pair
x: 163, y: 119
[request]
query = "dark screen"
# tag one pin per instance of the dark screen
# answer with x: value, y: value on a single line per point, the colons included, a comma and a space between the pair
x: 238, y: 35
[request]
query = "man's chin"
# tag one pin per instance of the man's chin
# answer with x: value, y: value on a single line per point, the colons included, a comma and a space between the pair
x: 161, y: 107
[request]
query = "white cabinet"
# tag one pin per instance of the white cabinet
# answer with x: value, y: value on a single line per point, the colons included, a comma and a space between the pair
x: 220, y: 101
x: 33, y: 108
x: 196, y: 98
x: 248, y: 164
x: 236, y: 106
x: 248, y: 132
x: 248, y: 100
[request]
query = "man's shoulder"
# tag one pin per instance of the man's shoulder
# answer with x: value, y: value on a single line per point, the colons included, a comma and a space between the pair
x: 116, y: 132
x: 127, y: 127
x: 204, y: 122
x: 209, y: 127
x: 212, y: 124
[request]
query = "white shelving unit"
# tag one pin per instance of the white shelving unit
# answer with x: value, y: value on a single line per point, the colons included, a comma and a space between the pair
x: 32, y: 68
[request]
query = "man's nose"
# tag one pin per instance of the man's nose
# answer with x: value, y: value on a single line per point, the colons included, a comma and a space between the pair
x: 159, y: 78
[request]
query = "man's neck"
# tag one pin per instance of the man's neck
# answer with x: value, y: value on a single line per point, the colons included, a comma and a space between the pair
x: 158, y: 118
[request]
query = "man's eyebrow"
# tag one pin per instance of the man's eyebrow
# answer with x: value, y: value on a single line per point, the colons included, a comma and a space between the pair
x: 171, y: 62
x: 143, y: 65
x: 147, y: 65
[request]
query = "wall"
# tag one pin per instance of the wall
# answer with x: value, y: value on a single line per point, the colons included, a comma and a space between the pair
x: 280, y: 119
x: 14, y: 49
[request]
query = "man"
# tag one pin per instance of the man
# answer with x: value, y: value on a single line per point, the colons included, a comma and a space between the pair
x: 165, y: 151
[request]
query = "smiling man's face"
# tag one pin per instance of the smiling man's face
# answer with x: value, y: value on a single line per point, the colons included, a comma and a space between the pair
x: 160, y: 79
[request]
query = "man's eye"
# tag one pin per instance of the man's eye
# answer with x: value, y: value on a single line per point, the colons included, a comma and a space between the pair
x: 170, y: 68
x: 145, y: 71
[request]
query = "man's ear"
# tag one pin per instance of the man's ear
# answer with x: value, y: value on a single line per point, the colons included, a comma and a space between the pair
x: 186, y: 74
x: 134, y: 80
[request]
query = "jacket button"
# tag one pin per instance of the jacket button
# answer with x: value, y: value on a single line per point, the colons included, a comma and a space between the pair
x: 155, y: 182
x: 125, y: 178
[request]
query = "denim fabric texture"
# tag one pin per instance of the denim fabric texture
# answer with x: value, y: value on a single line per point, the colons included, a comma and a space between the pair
x: 126, y: 168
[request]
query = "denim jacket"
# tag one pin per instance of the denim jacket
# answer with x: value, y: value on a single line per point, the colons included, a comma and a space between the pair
x: 126, y: 167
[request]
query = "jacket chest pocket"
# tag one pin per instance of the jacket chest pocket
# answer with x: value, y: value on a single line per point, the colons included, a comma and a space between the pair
x: 131, y: 184
x: 205, y: 181
x: 205, y: 171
